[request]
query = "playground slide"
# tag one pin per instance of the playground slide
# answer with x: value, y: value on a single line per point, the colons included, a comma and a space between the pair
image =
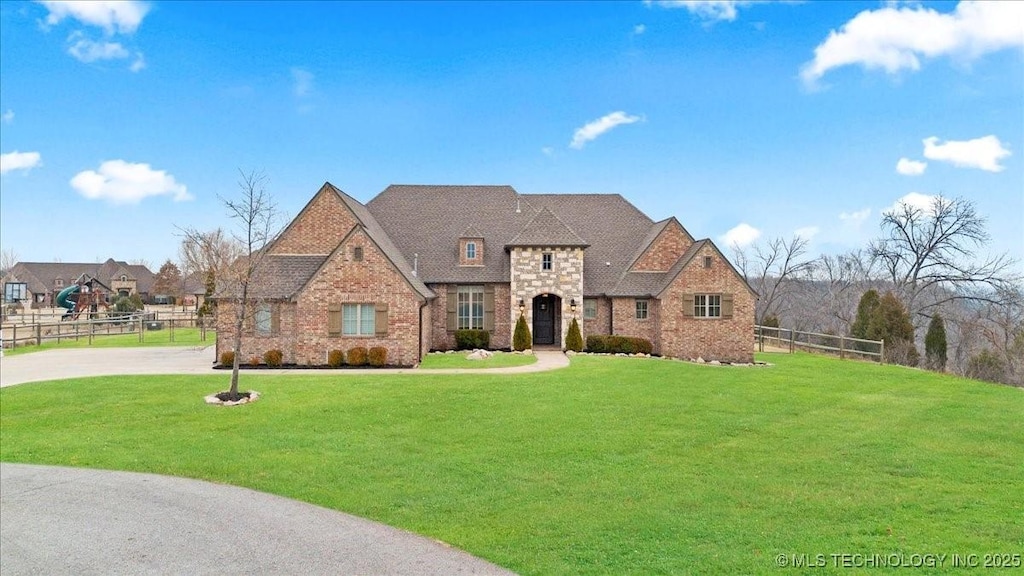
x: 64, y: 295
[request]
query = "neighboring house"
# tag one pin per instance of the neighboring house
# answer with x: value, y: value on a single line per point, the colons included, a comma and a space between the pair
x: 36, y: 284
x: 417, y: 263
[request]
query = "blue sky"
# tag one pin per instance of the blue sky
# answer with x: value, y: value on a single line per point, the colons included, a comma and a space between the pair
x: 121, y: 121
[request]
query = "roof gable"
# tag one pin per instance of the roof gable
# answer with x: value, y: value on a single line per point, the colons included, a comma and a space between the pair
x: 319, y: 226
x: 546, y: 229
x: 664, y: 244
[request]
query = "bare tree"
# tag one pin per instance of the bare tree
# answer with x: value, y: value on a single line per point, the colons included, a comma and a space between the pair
x: 771, y: 270
x: 140, y: 262
x: 257, y: 223
x: 8, y: 258
x: 929, y: 256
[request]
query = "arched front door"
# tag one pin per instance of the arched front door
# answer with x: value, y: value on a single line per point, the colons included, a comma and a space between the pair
x: 546, y: 309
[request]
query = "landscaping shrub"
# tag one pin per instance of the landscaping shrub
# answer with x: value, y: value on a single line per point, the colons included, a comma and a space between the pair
x: 357, y: 356
x: 890, y: 322
x: 254, y: 360
x: 605, y: 344
x: 378, y: 356
x: 335, y: 358
x: 273, y: 357
x: 472, y: 339
x: 770, y: 321
x: 522, y: 339
x: 227, y: 358
x: 574, y: 340
x: 986, y: 365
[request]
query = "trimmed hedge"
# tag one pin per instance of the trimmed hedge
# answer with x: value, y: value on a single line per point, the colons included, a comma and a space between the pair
x: 605, y: 344
x: 358, y: 356
x: 378, y: 356
x: 273, y: 358
x: 574, y: 340
x: 472, y: 339
x: 335, y: 358
x: 254, y: 360
x: 227, y: 358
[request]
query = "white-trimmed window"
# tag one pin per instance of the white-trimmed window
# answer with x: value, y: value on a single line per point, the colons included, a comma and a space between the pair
x: 707, y: 305
x: 641, y: 309
x: 470, y: 250
x: 545, y: 261
x: 357, y: 319
x: 471, y: 308
x: 15, y: 291
x: 263, y: 319
x: 589, y: 308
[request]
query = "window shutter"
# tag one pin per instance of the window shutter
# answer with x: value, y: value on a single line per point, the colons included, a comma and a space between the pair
x: 453, y: 302
x: 688, y: 305
x: 380, y: 320
x: 275, y: 319
x: 489, y: 308
x: 334, y: 319
x: 726, y: 306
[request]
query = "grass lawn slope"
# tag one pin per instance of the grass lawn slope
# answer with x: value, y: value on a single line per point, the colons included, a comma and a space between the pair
x: 614, y: 465
x: 182, y: 337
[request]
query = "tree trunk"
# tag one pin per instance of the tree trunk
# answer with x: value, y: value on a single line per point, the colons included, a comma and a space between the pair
x: 239, y: 323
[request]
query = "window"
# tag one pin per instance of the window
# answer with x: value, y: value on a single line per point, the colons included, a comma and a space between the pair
x: 357, y: 319
x: 545, y: 261
x: 124, y: 278
x: 707, y: 305
x: 357, y: 254
x: 470, y: 250
x: 58, y: 282
x: 14, y: 291
x: 589, y: 309
x: 263, y: 319
x: 471, y: 308
x: 707, y: 261
x: 641, y: 309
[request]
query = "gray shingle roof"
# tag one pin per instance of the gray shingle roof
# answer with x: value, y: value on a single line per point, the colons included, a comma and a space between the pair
x: 282, y: 276
x: 40, y: 276
x: 547, y: 230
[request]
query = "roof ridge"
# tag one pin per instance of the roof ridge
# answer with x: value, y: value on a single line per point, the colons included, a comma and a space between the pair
x: 545, y: 210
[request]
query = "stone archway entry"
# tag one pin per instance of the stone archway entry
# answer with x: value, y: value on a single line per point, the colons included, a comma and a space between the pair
x: 546, y: 311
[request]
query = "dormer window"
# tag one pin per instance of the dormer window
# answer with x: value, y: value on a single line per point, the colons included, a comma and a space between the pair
x: 470, y: 250
x: 124, y: 278
x: 58, y: 282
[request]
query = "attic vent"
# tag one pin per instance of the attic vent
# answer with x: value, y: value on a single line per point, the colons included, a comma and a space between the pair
x: 357, y: 254
x: 707, y: 261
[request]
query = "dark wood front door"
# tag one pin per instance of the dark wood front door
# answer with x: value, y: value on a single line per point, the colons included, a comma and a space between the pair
x: 544, y: 320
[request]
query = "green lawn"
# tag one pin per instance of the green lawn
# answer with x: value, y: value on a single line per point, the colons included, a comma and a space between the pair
x: 611, y: 466
x: 458, y: 360
x: 182, y: 337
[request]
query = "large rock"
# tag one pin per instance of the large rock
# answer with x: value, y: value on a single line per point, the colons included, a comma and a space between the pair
x: 479, y: 355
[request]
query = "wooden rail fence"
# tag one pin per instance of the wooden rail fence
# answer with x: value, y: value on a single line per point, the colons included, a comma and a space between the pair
x: 787, y: 339
x: 20, y: 333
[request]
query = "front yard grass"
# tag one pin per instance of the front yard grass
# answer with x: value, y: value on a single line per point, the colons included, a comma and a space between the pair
x: 182, y: 337
x: 610, y: 466
x: 458, y: 360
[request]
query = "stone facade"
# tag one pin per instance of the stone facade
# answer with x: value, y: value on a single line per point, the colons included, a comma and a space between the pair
x: 721, y: 339
x: 528, y: 279
x: 443, y: 339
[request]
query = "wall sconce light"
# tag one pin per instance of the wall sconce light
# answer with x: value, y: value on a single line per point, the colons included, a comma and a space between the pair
x: 572, y: 305
x: 522, y: 305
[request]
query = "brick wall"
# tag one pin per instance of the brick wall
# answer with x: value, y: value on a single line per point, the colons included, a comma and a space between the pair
x: 625, y: 322
x: 665, y: 250
x: 318, y: 228
x: 709, y: 338
x: 602, y: 324
x: 254, y: 344
x: 442, y: 339
x: 479, y: 259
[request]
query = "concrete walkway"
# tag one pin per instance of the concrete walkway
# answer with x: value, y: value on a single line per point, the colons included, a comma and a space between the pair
x: 79, y: 362
x: 79, y: 521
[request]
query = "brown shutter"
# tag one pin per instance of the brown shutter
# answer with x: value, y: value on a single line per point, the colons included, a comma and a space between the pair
x: 334, y: 319
x: 453, y: 302
x: 489, y: 308
x: 726, y: 306
x: 380, y: 320
x: 275, y: 318
x: 688, y: 305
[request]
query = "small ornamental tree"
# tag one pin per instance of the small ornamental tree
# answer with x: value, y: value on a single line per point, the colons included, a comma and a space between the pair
x: 867, y: 305
x: 890, y: 322
x: 935, y: 344
x: 521, y: 338
x: 574, y: 339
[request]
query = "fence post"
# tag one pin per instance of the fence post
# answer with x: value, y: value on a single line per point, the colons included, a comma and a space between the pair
x: 39, y: 334
x: 842, y: 346
x: 141, y: 321
x: 90, y: 332
x: 792, y: 339
x: 881, y: 351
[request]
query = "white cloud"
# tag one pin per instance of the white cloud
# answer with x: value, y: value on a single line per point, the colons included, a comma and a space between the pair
x: 8, y: 116
x: 909, y: 167
x: 741, y: 235
x: 19, y: 161
x: 548, y: 151
x: 896, y: 38
x: 807, y: 232
x: 855, y: 219
x: 983, y: 153
x: 303, y: 82
x: 923, y: 202
x: 593, y: 129
x: 121, y: 16
x: 123, y: 182
x: 710, y: 10
x: 86, y: 50
x: 139, y: 63
x: 639, y: 29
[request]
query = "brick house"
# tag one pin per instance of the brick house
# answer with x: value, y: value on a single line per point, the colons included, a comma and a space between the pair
x: 36, y: 284
x: 417, y: 263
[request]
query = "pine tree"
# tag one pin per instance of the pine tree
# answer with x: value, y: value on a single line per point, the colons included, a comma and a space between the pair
x: 574, y: 339
x: 935, y: 344
x: 867, y: 305
x: 890, y: 322
x: 521, y: 338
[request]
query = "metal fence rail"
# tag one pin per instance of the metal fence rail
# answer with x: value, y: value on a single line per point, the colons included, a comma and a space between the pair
x: 18, y: 333
x: 787, y: 339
